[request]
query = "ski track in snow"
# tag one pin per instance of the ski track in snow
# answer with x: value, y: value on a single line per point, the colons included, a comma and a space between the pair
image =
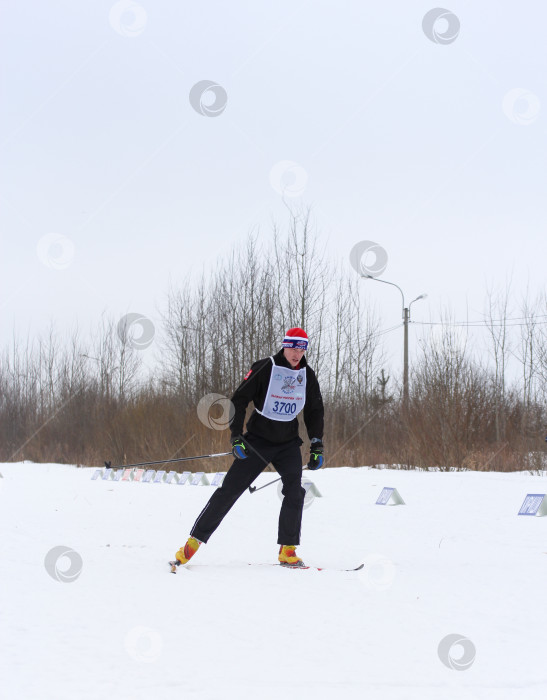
x: 456, y: 559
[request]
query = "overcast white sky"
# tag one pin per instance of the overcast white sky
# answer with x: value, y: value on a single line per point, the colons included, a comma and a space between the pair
x: 436, y: 151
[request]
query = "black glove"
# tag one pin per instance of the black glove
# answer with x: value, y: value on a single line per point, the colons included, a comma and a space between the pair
x: 316, y: 454
x: 239, y: 448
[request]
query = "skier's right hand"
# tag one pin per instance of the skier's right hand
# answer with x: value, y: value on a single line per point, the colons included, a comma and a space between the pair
x: 239, y: 448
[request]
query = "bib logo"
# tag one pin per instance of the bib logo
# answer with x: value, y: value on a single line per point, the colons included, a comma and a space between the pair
x: 288, y: 385
x: 300, y: 379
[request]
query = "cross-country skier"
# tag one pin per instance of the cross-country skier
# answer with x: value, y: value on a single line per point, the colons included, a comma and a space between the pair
x: 280, y: 387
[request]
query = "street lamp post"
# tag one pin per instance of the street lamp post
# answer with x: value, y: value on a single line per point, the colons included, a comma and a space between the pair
x: 406, y: 320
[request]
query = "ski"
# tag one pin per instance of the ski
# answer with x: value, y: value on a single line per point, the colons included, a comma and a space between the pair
x: 175, y: 564
x: 318, y: 568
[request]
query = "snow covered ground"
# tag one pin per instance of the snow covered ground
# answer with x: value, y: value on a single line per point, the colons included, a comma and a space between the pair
x: 455, y: 560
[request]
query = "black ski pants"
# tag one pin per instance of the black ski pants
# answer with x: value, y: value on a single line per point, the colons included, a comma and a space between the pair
x: 287, y: 460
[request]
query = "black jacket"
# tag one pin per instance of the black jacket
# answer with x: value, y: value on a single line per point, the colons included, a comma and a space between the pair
x: 254, y: 388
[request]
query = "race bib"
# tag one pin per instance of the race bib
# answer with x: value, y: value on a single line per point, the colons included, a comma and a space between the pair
x: 286, y: 393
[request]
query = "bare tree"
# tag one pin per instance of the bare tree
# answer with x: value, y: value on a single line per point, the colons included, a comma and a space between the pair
x: 448, y: 400
x: 528, y: 347
x: 496, y: 323
x: 301, y: 282
x: 540, y: 363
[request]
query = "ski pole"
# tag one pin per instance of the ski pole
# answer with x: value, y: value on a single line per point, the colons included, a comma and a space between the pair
x: 108, y: 465
x: 252, y: 489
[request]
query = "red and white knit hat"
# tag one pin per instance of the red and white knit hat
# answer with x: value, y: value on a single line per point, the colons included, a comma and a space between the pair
x: 296, y: 338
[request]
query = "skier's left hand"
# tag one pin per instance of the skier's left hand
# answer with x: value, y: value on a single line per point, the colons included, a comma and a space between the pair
x: 316, y: 454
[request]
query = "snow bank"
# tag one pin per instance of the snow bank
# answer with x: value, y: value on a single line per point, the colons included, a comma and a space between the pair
x: 455, y: 560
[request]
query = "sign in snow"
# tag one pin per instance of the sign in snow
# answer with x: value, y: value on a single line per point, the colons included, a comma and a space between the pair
x: 310, y: 488
x: 534, y: 504
x: 183, y: 478
x: 391, y: 496
x: 218, y: 479
x: 151, y: 476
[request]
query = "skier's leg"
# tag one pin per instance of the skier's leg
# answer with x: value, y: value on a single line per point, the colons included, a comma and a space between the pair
x: 240, y: 476
x: 288, y: 463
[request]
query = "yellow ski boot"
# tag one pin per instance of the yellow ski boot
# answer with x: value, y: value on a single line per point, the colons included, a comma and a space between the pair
x: 185, y: 553
x: 287, y: 557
